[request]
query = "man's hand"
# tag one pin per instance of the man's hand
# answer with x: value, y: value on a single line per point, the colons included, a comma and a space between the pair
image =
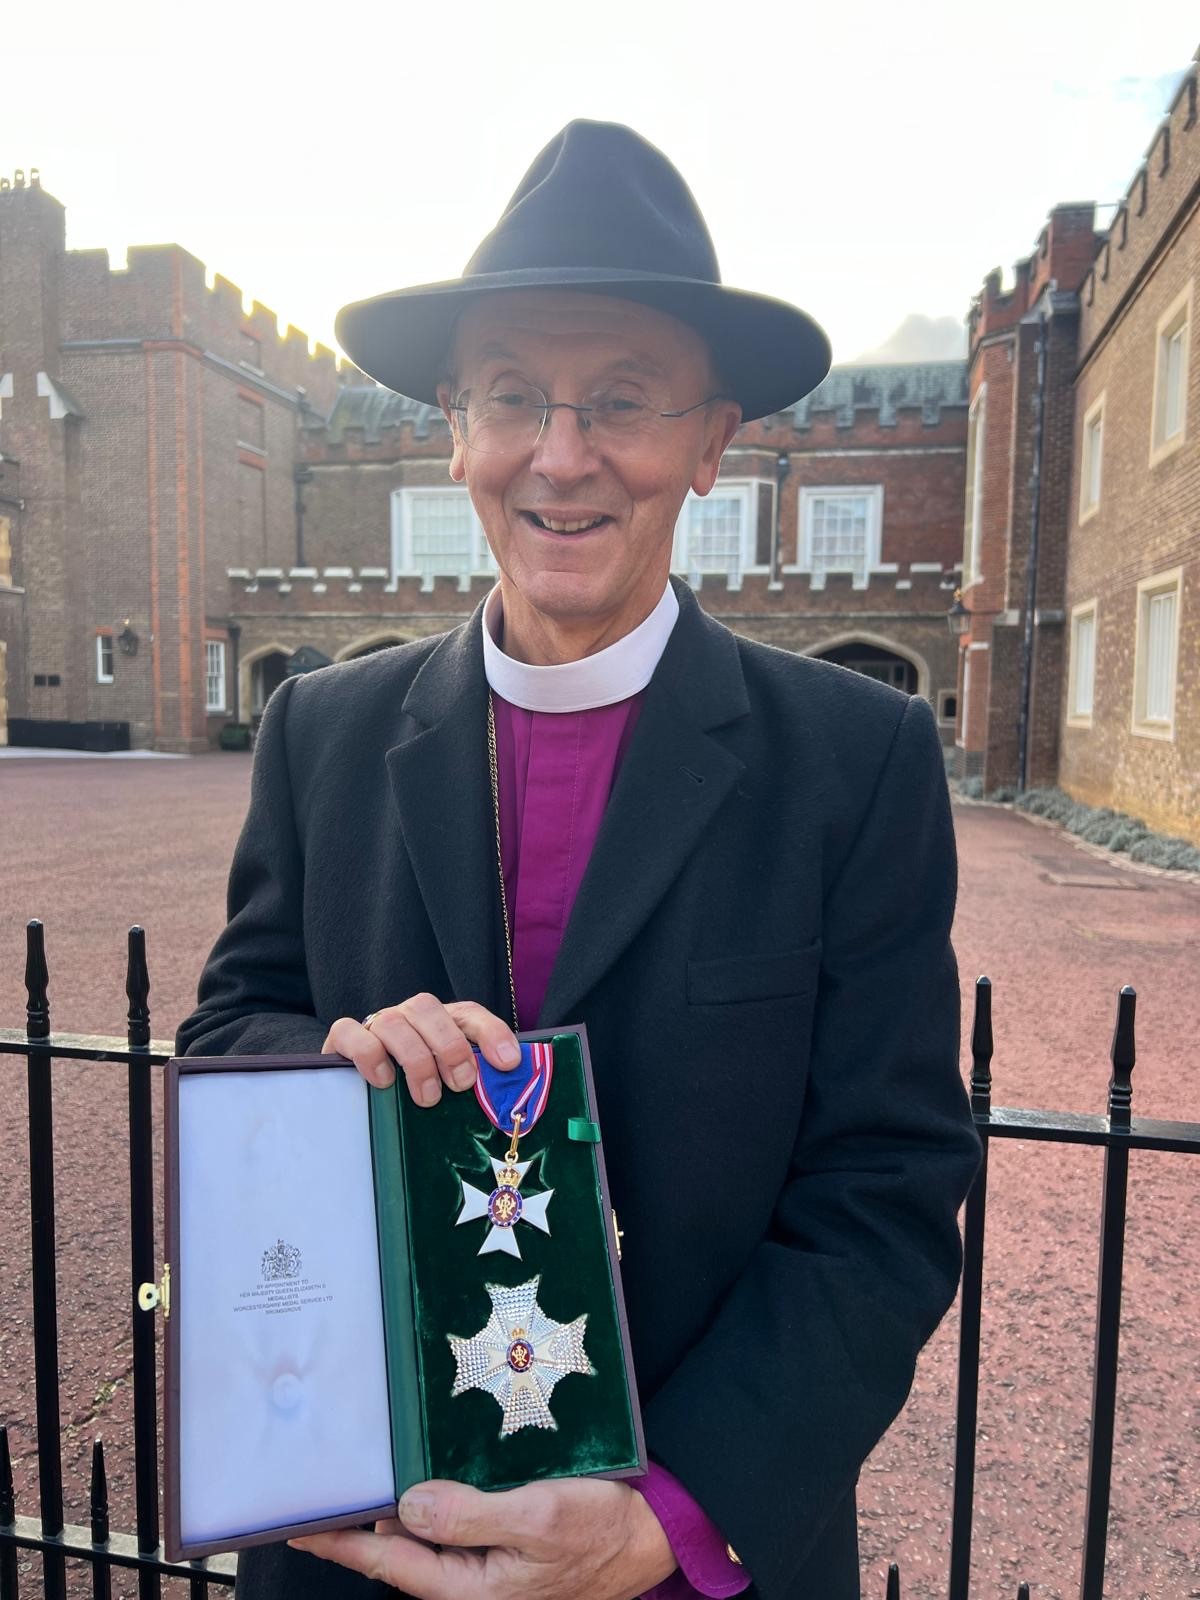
x: 430, y: 1042
x: 575, y: 1539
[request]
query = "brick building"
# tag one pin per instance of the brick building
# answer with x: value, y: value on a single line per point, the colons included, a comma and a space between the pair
x: 193, y: 506
x: 833, y: 529
x: 1081, y: 549
x: 148, y: 435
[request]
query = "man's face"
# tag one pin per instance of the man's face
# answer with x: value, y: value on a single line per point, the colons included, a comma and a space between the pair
x: 626, y: 489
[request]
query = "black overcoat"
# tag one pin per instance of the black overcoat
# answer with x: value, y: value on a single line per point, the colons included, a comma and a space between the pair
x: 760, y: 950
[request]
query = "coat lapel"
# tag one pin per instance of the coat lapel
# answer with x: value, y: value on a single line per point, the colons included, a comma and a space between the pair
x: 442, y: 791
x: 673, y: 781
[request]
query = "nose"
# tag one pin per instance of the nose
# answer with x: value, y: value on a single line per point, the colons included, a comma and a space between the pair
x: 565, y: 450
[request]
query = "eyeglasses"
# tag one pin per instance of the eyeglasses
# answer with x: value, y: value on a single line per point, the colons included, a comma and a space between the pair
x: 510, y: 416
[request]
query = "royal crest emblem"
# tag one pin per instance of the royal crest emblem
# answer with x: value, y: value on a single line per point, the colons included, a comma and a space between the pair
x: 280, y: 1261
x: 504, y: 1206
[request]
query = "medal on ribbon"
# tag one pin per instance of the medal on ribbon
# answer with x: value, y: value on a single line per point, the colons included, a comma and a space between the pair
x: 519, y: 1355
x: 513, y: 1102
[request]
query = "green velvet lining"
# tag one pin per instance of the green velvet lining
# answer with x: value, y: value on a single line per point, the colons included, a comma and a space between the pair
x: 408, y: 1436
x: 595, y: 1426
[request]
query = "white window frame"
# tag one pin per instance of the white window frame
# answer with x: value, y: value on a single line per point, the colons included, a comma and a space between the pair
x: 973, y: 509
x: 103, y: 639
x: 1177, y: 317
x: 215, y: 675
x: 745, y: 490
x: 482, y: 561
x: 809, y: 493
x: 1091, y: 462
x: 943, y: 715
x: 1145, y: 726
x: 1080, y: 716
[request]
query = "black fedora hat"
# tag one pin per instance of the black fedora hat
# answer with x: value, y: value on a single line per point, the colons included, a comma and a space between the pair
x: 600, y: 210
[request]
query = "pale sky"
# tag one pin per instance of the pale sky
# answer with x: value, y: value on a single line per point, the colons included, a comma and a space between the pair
x: 868, y: 161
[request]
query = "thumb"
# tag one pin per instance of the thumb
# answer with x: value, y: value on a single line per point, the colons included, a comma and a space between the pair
x: 442, y: 1512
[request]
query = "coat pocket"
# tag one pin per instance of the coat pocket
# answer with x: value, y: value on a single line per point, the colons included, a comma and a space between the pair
x: 782, y: 975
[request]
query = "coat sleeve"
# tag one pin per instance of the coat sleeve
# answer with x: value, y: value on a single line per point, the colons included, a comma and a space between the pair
x: 254, y: 995
x: 769, y: 1418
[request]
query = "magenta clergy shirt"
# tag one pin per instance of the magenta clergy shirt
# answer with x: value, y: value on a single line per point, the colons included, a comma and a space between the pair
x: 555, y: 772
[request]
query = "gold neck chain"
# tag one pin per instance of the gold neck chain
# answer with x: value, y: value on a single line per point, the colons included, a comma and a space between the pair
x: 494, y: 770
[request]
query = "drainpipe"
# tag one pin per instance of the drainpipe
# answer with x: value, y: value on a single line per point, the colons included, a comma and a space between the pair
x: 1031, y: 560
x: 783, y: 465
x: 235, y: 639
x: 301, y: 474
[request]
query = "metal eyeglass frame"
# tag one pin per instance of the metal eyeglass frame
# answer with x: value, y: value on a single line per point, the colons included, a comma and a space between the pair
x: 584, y: 414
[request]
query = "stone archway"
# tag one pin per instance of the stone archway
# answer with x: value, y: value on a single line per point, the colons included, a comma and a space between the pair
x: 877, y: 657
x: 368, y: 645
x: 260, y: 672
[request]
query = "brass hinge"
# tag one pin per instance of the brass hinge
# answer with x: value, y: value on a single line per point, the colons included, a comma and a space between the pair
x: 153, y: 1295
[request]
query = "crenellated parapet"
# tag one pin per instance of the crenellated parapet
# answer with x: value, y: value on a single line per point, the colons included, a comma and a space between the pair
x: 918, y: 586
x: 161, y: 296
x: 1163, y: 186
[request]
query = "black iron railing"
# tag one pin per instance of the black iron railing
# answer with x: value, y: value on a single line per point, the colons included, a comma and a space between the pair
x: 58, y: 1542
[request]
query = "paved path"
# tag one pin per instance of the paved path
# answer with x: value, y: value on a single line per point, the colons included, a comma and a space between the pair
x: 93, y: 845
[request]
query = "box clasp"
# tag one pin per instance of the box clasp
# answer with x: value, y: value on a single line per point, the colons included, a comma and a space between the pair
x: 152, y: 1296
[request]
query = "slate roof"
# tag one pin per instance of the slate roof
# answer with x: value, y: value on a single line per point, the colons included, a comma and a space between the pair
x: 886, y: 386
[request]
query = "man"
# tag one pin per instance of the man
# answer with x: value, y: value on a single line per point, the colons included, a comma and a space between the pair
x: 593, y: 803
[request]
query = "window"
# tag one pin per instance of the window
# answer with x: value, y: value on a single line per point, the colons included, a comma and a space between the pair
x: 976, y: 428
x: 1170, y: 377
x: 840, y: 531
x: 214, y: 674
x: 947, y: 705
x: 436, y: 534
x: 716, y: 533
x: 104, y: 658
x: 1081, y: 674
x: 1155, y: 655
x: 1093, y: 448
x: 250, y: 418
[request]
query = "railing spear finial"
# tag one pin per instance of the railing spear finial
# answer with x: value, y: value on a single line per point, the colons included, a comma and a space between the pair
x: 137, y: 987
x: 981, y: 1047
x: 1123, y: 1056
x: 893, y: 1582
x: 99, y: 1494
x: 37, y: 980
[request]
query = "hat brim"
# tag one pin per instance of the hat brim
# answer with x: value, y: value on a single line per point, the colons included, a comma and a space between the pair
x: 769, y: 354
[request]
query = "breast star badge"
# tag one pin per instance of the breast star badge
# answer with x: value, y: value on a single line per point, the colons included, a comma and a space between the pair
x: 519, y: 1356
x: 504, y: 1207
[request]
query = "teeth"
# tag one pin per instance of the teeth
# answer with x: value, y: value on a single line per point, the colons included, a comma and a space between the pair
x: 569, y: 527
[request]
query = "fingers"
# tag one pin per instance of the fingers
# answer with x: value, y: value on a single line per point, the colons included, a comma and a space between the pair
x: 448, y: 1513
x: 349, y: 1038
x: 494, y: 1037
x: 431, y: 1043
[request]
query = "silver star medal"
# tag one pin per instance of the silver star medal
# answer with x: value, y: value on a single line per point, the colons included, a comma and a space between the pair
x: 519, y: 1355
x: 505, y: 1206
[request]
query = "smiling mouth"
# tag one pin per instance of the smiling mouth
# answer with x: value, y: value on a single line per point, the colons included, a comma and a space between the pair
x: 551, y: 525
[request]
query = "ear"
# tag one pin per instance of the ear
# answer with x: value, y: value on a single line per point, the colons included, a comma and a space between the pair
x: 722, y: 421
x: 458, y: 464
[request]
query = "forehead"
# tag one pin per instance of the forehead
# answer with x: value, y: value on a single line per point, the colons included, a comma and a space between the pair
x: 563, y: 325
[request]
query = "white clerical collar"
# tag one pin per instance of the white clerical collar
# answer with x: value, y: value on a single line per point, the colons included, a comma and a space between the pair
x: 612, y: 674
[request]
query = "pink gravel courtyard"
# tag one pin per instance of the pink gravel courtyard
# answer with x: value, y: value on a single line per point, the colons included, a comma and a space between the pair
x: 92, y: 846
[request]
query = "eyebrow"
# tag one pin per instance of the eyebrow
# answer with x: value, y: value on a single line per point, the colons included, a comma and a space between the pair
x: 639, y: 364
